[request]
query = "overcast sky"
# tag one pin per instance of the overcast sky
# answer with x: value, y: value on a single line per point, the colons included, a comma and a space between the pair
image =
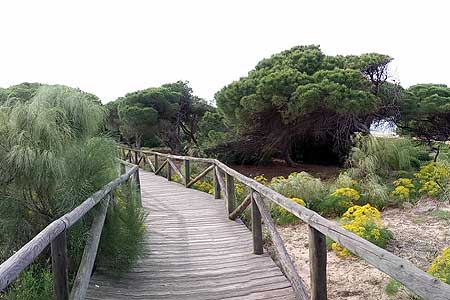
x: 110, y: 47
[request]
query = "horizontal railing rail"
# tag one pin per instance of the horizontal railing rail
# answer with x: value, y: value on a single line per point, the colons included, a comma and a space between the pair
x: 55, y: 234
x: 416, y: 280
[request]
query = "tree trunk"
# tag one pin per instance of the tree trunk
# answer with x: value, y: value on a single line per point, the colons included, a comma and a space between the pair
x: 287, y: 156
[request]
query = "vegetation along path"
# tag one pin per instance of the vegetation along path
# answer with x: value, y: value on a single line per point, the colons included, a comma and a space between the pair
x: 192, y: 251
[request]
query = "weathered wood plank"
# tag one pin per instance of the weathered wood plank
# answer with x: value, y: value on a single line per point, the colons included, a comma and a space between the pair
x: 285, y: 261
x: 256, y: 227
x: 318, y: 264
x: 175, y: 168
x: 187, y: 172
x: 221, y: 182
x: 200, y: 176
x: 81, y: 282
x: 60, y: 267
x: 231, y: 199
x: 161, y: 167
x: 240, y: 209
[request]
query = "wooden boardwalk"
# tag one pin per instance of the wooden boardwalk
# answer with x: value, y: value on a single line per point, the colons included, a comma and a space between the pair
x: 192, y: 251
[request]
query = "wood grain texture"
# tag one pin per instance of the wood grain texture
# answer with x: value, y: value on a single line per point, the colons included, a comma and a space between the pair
x: 83, y: 276
x: 192, y: 251
x: 285, y: 260
x: 60, y: 267
x: 317, y: 264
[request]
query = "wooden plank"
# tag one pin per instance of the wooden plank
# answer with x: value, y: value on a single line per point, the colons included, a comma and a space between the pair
x: 161, y: 167
x: 221, y: 182
x: 175, y: 168
x: 13, y: 266
x: 318, y: 264
x: 187, y: 172
x: 256, y: 228
x: 81, y: 282
x: 418, y: 281
x: 200, y: 176
x: 240, y: 209
x: 285, y: 261
x: 169, y: 170
x: 216, y: 183
x: 156, y: 162
x: 59, y: 267
x: 149, y: 162
x: 231, y: 199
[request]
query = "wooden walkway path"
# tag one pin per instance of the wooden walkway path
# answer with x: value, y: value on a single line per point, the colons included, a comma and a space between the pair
x: 192, y: 251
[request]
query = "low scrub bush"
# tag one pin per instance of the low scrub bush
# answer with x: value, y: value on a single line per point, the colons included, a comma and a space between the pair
x: 440, y: 268
x: 366, y: 222
x: 282, y: 216
x: 338, y: 202
x: 434, y: 179
x: 301, y: 185
x: 36, y: 283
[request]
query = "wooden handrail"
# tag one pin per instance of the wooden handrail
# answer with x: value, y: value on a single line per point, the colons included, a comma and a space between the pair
x: 14, y: 265
x: 416, y: 280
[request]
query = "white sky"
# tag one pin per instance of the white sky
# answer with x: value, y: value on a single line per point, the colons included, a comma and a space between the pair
x: 110, y: 47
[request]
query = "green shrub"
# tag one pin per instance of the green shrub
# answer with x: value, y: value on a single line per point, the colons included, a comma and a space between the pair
x: 434, y: 179
x: 338, y: 202
x: 373, y: 192
x: 123, y: 232
x: 381, y: 156
x: 366, y: 222
x: 393, y: 287
x: 282, y: 216
x: 301, y: 185
x: 36, y: 283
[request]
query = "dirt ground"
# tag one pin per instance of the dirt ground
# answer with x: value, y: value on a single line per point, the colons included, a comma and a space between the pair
x: 279, y: 168
x: 420, y: 234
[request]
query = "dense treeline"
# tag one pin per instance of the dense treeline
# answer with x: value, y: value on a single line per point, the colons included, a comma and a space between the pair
x: 299, y: 105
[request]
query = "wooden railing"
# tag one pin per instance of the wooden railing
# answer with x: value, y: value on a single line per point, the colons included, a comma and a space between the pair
x: 55, y: 234
x: 416, y: 280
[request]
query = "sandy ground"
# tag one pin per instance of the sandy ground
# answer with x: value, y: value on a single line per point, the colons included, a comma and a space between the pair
x: 419, y: 236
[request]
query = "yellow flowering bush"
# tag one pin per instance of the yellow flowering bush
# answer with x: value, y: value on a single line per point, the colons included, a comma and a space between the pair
x: 282, y: 216
x: 440, y: 268
x: 204, y: 186
x: 434, y: 178
x: 261, y: 179
x: 404, y: 187
x: 339, y: 201
x: 366, y: 222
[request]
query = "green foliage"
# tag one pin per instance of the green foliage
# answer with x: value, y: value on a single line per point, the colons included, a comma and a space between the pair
x: 425, y: 112
x: 282, y: 216
x: 440, y: 268
x: 36, y: 283
x: 366, y: 222
x: 167, y: 115
x: 301, y: 185
x: 301, y: 98
x: 434, y: 179
x: 123, y: 232
x: 338, y: 202
x: 393, y: 287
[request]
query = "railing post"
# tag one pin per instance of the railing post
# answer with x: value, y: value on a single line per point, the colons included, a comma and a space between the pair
x: 130, y: 156
x: 187, y: 172
x: 169, y: 171
x: 138, y: 184
x: 122, y: 168
x: 256, y: 227
x: 216, y: 184
x: 318, y: 264
x: 156, y: 162
x: 136, y: 157
x: 59, y: 267
x: 229, y: 185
